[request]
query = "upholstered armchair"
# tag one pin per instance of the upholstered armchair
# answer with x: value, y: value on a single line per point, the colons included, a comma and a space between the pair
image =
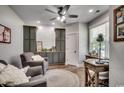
x: 27, y: 60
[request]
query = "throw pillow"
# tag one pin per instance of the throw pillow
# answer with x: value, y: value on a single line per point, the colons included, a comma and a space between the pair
x: 2, y: 66
x: 25, y: 69
x: 12, y: 75
x: 37, y: 58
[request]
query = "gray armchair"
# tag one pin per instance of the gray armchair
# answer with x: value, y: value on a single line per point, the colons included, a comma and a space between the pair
x: 26, y: 59
x: 36, y: 80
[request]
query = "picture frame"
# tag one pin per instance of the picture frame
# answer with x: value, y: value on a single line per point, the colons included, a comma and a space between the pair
x: 118, y: 24
x: 5, y: 34
x: 39, y: 46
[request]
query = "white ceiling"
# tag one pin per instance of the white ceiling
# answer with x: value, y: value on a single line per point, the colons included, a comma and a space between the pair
x: 32, y: 13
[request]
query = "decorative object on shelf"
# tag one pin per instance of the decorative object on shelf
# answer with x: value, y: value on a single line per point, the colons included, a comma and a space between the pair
x: 53, y: 48
x: 93, y: 53
x: 45, y: 49
x: 100, y: 39
x: 119, y: 23
x: 5, y: 34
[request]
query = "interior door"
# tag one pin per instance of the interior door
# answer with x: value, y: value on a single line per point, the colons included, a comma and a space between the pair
x: 72, y: 49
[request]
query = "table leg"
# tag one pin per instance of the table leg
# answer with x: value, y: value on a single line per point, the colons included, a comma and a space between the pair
x: 86, y: 77
x: 96, y: 79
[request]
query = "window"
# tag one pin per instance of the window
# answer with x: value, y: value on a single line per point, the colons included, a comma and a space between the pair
x: 94, y: 45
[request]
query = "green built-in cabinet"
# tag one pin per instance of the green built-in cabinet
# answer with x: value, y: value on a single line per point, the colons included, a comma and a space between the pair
x: 58, y: 56
x: 54, y: 57
x: 29, y: 39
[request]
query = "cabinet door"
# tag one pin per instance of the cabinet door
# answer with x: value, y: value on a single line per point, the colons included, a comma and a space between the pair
x: 26, y: 45
x: 29, y: 39
x: 62, y: 35
x: 44, y: 54
x: 32, y: 33
x: 58, y: 45
x: 57, y: 35
x: 26, y: 32
x: 32, y: 46
x: 55, y: 57
x: 62, y: 57
x: 62, y: 45
x: 50, y: 57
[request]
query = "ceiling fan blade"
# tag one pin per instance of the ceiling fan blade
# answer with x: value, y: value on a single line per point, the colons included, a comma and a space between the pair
x: 73, y: 16
x: 65, y: 9
x: 53, y: 19
x: 50, y: 11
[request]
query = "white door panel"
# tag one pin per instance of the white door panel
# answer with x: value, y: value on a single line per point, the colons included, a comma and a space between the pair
x: 72, y: 49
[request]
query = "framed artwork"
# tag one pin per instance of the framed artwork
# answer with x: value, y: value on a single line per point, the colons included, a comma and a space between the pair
x: 5, y: 34
x: 119, y: 23
x: 39, y: 46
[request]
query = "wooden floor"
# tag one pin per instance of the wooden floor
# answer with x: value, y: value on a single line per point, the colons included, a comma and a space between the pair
x: 54, y: 66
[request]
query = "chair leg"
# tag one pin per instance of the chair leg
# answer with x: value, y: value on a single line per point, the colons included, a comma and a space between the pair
x: 104, y: 83
x: 43, y: 68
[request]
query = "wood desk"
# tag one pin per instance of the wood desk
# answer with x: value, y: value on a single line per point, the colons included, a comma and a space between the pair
x: 90, y: 64
x: 93, y: 57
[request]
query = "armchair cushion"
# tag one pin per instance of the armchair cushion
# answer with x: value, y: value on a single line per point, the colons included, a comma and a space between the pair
x: 34, y: 71
x: 37, y: 81
x: 28, y: 56
x: 35, y: 63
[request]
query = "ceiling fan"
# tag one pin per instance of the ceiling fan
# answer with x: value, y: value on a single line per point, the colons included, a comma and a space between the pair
x: 62, y: 12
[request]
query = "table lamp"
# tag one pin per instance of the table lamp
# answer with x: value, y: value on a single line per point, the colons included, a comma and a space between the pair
x: 100, y: 39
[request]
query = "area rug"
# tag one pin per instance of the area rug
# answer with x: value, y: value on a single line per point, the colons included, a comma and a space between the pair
x: 79, y: 71
x: 61, y: 78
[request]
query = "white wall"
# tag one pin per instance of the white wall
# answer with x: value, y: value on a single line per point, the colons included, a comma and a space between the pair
x: 11, y: 52
x: 99, y: 20
x: 46, y: 34
x: 83, y: 41
x: 116, y: 57
x: 72, y: 28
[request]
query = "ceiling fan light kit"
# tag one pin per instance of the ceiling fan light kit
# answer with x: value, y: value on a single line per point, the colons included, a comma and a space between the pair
x: 91, y: 10
x: 62, y: 18
x: 58, y: 18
